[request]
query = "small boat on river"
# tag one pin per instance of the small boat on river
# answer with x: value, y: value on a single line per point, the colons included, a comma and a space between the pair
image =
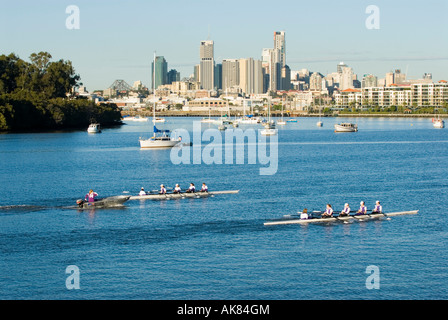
x: 365, y: 217
x: 346, y: 127
x: 109, y: 202
x: 181, y: 195
x: 94, y: 128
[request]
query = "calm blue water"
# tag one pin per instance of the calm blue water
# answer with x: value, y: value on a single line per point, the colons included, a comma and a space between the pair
x: 218, y: 248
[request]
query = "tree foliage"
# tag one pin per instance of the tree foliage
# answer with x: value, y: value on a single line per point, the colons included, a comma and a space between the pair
x: 39, y: 95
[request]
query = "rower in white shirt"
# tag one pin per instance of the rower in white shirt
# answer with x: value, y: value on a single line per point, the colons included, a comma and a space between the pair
x: 142, y: 192
x: 204, y: 187
x: 191, y: 188
x: 378, y: 208
x: 177, y: 189
x: 346, y: 211
x: 362, y: 209
x: 304, y: 214
x: 328, y: 212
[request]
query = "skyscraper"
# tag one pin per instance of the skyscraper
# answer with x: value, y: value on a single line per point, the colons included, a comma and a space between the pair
x: 161, y: 72
x: 250, y: 76
x: 272, y: 65
x: 207, y: 64
x: 346, y: 78
x: 230, y: 73
x: 280, y: 44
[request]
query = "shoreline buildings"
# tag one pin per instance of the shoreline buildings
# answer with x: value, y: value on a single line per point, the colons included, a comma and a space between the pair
x: 250, y: 79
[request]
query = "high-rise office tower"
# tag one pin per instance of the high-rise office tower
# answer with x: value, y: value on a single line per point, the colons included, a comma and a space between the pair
x: 161, y: 72
x: 207, y: 64
x: 218, y: 76
x: 280, y: 44
x: 271, y: 62
x: 346, y: 79
x: 230, y: 73
x: 251, y: 76
x: 172, y: 76
x: 341, y: 65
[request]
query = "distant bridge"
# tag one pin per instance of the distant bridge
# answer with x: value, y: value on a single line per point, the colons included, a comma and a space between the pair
x: 120, y: 85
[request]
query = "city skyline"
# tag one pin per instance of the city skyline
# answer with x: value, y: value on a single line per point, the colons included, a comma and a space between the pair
x: 117, y: 41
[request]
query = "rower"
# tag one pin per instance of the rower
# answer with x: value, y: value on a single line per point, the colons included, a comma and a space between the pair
x: 204, y: 187
x: 304, y: 214
x: 346, y: 211
x: 362, y: 209
x: 378, y: 208
x: 162, y: 189
x: 91, y: 196
x: 328, y: 212
x: 177, y: 189
x: 142, y: 192
x: 191, y: 188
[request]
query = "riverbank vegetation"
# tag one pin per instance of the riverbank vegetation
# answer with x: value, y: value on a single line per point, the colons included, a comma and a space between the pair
x: 40, y: 95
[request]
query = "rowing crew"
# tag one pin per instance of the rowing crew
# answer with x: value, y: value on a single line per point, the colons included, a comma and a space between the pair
x: 328, y: 213
x: 177, y: 189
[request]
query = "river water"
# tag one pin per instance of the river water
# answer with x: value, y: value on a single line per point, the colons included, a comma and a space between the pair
x: 218, y: 247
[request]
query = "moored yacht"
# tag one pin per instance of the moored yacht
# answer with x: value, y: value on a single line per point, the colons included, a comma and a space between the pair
x: 346, y: 127
x: 94, y: 128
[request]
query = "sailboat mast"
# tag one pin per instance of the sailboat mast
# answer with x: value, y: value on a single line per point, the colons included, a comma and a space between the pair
x: 154, y: 94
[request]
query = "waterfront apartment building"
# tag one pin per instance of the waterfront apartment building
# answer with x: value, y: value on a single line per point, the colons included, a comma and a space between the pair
x: 348, y: 98
x: 411, y: 95
x: 206, y: 65
x: 430, y: 94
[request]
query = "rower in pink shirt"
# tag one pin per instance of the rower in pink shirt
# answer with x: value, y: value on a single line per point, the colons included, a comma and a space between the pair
x: 91, y: 196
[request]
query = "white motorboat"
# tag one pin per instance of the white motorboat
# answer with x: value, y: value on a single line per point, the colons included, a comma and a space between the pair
x: 248, y: 120
x: 268, y: 132
x: 160, y: 138
x: 319, y: 123
x: 438, y: 123
x: 160, y: 120
x: 136, y: 118
x: 94, y: 128
x: 346, y: 127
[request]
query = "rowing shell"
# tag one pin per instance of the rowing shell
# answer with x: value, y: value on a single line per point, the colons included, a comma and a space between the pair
x: 344, y: 219
x: 183, y: 195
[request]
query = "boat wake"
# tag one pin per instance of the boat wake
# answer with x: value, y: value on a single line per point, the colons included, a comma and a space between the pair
x: 11, y: 209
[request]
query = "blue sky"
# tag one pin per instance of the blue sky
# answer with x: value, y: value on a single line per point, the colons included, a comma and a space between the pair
x: 116, y: 39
